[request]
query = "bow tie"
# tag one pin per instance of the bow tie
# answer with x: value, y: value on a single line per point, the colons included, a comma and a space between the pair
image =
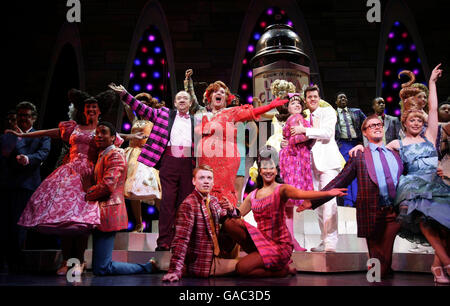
x: 186, y: 116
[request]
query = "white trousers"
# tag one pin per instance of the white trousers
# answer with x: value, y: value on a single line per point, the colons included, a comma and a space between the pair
x: 327, y: 213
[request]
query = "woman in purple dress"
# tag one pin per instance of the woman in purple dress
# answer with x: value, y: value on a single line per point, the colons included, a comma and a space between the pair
x: 269, y: 246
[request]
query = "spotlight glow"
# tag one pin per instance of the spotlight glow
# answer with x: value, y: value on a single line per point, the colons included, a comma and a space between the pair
x: 396, y: 23
x: 151, y: 61
x: 149, y: 87
x: 391, y: 35
x: 137, y: 62
x: 387, y: 73
x: 151, y: 210
x: 395, y: 85
x: 269, y: 11
x: 244, y: 86
x: 413, y: 47
x: 161, y: 87
x: 250, y: 99
x: 126, y: 126
x: 130, y: 225
x: 143, y: 75
x: 244, y: 61
x: 407, y: 60
x: 262, y: 24
x: 289, y: 23
x: 137, y: 87
x: 404, y: 34
x: 131, y: 75
x: 250, y: 74
x: 250, y: 48
x: 144, y: 50
x: 416, y: 71
x: 156, y: 75
x: 397, y: 112
x: 389, y: 99
x: 157, y: 50
x: 256, y: 36
x: 393, y: 59
x: 151, y: 37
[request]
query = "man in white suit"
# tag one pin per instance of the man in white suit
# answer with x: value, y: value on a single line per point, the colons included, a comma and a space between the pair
x: 325, y: 164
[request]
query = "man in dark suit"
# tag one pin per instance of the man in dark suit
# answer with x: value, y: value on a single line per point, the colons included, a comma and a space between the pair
x: 348, y: 134
x: 391, y: 124
x: 377, y: 170
x: 169, y: 148
x: 20, y: 176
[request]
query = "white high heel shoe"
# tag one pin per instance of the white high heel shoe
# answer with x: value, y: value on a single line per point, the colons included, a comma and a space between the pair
x: 441, y: 278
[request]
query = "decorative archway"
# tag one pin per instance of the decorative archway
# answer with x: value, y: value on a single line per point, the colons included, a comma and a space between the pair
x: 400, y: 47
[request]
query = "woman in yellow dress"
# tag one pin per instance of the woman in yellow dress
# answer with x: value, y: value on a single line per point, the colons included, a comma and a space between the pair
x: 142, y: 184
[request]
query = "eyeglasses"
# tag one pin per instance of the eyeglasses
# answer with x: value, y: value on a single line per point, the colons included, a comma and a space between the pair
x: 374, y: 125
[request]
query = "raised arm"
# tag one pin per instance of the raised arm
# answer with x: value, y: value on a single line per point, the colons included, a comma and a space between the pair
x: 53, y: 133
x: 189, y: 88
x: 140, y: 108
x: 432, y: 130
x: 290, y: 192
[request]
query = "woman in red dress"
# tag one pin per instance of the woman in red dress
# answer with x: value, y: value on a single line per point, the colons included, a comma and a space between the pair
x: 269, y: 246
x: 218, y: 147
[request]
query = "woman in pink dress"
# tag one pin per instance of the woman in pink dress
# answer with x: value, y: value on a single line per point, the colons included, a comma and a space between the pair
x: 269, y: 246
x: 58, y: 205
x: 218, y: 147
x: 295, y: 161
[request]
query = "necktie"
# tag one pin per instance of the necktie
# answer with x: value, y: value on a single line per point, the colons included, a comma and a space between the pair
x: 387, y: 174
x: 213, y: 230
x: 347, y: 124
x: 186, y: 116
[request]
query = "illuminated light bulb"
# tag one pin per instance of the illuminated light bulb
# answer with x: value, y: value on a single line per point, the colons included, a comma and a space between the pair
x: 250, y: 99
x: 156, y: 74
x: 391, y: 35
x: 137, y: 87
x: 244, y: 61
x: 157, y: 50
x: 250, y: 48
x: 151, y: 38
x: 149, y: 87
x: 250, y: 74
x: 244, y: 86
x: 269, y: 11
x: 144, y: 49
x: 126, y: 126
x: 151, y: 61
x: 131, y: 75
x: 393, y: 59
x: 389, y: 99
x: 263, y: 24
x: 143, y: 75
x: 137, y: 62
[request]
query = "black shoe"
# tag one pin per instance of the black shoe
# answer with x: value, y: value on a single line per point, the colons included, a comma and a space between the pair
x: 162, y: 249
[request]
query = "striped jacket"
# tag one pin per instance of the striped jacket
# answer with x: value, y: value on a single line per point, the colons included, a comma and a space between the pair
x: 193, y: 248
x: 362, y: 168
x: 162, y: 120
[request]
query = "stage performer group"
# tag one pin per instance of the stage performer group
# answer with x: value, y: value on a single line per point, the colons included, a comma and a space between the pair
x: 188, y: 162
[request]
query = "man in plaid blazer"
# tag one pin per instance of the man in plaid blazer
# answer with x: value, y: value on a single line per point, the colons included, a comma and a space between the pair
x: 375, y: 215
x: 169, y: 148
x: 195, y: 247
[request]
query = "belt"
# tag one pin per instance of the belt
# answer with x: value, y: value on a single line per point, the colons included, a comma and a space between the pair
x: 178, y: 151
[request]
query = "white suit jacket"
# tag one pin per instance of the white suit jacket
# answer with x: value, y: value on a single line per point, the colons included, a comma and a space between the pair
x: 325, y: 152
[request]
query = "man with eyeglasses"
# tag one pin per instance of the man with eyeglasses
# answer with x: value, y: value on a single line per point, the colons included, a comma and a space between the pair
x: 20, y: 176
x: 377, y: 170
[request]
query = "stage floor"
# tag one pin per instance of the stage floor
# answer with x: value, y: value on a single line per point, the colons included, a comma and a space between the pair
x: 301, y: 279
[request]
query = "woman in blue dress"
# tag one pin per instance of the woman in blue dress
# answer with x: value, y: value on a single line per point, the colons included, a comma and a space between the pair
x: 423, y: 199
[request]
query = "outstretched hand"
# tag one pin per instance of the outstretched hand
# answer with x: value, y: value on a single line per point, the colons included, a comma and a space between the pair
x: 117, y: 88
x: 278, y: 102
x: 337, y: 192
x: 170, y: 277
x: 8, y: 131
x: 226, y: 204
x: 306, y: 204
x: 188, y: 73
x: 436, y: 73
x: 355, y: 150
